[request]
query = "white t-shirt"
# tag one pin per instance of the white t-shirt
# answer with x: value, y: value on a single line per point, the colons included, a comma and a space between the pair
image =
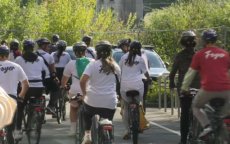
x: 90, y: 53
x: 64, y: 59
x: 46, y: 56
x: 101, y: 91
x: 10, y: 74
x: 33, y: 70
x: 133, y: 73
x: 70, y: 71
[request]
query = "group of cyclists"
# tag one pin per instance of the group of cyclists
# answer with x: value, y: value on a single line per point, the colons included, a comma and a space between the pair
x: 94, y: 75
x: 206, y: 69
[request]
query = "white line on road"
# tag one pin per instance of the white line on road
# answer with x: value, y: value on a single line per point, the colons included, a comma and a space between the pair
x: 165, y: 128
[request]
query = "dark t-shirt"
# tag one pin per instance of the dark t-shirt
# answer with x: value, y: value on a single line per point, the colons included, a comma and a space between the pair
x: 181, y: 64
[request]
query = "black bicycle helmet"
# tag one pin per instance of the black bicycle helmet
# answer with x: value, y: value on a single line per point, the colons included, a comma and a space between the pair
x: 28, y: 44
x: 55, y: 38
x: 79, y: 47
x: 4, y: 50
x: 124, y: 42
x: 135, y: 47
x: 87, y: 39
x: 14, y: 44
x: 103, y: 49
x: 209, y: 36
x: 42, y: 41
x: 61, y: 44
x: 188, y: 39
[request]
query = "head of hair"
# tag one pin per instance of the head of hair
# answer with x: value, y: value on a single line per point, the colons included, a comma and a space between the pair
x: 104, y: 51
x: 135, y: 49
x: 87, y: 39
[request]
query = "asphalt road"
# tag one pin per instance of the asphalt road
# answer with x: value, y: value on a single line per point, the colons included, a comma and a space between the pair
x: 164, y: 130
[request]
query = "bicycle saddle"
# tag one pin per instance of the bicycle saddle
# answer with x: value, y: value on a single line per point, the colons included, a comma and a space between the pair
x: 217, y: 102
x: 132, y: 93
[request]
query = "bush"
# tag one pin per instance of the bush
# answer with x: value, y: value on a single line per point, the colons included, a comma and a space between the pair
x: 164, y: 26
x: 70, y: 19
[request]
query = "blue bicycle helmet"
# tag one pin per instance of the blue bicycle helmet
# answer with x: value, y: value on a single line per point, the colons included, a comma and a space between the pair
x: 209, y: 36
x: 28, y: 44
x: 4, y: 50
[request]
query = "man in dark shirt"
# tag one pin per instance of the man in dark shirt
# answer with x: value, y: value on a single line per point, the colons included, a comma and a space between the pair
x: 181, y: 64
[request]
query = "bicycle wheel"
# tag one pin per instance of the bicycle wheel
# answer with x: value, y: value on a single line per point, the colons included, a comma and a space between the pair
x: 94, y: 129
x: 59, y: 106
x: 34, y: 125
x: 80, y: 130
x: 64, y: 95
x: 135, y: 124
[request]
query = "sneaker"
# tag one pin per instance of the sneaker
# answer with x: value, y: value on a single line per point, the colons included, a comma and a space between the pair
x: 17, y: 134
x: 205, y: 132
x: 105, y: 122
x: 50, y: 110
x: 87, y: 139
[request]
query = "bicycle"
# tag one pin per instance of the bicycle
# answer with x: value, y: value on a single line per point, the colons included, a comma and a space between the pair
x: 102, y: 130
x: 80, y: 130
x: 220, y: 134
x: 194, y: 126
x: 61, y: 106
x: 34, y: 117
x: 3, y: 138
x: 133, y: 115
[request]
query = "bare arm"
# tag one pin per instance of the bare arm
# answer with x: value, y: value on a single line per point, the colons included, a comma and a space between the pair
x: 64, y: 80
x: 191, y: 73
x: 25, y: 87
x: 83, y: 82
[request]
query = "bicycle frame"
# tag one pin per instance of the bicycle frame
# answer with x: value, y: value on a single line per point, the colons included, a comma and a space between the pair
x: 35, y: 116
x: 133, y: 115
x: 220, y: 133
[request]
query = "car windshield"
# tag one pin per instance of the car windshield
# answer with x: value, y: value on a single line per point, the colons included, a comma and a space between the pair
x: 154, y: 59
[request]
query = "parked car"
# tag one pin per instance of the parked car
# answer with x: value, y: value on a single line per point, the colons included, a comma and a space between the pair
x: 157, y: 66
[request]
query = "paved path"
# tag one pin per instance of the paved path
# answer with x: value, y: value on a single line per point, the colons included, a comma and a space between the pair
x: 164, y: 130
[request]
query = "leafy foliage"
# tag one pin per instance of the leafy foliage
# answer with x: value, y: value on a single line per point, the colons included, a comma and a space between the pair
x: 71, y: 19
x: 164, y: 26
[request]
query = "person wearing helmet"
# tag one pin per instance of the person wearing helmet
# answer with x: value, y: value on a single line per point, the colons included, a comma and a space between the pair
x: 14, y: 50
x: 74, y: 69
x: 100, y: 97
x: 33, y: 65
x: 132, y: 67
x: 124, y: 45
x: 61, y: 58
x: 90, y: 52
x: 51, y: 84
x: 181, y: 64
x: 213, y: 64
x: 16, y: 74
x: 53, y: 46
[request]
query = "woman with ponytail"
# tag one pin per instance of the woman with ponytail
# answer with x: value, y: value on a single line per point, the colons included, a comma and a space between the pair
x: 75, y: 69
x: 61, y: 58
x: 33, y: 65
x: 100, y: 94
x: 132, y: 68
